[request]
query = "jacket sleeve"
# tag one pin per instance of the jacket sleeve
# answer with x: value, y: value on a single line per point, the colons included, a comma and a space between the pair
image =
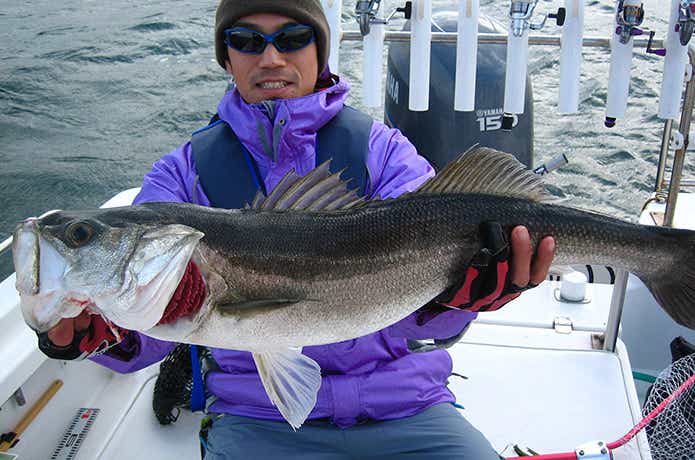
x: 395, y: 168
x: 172, y: 178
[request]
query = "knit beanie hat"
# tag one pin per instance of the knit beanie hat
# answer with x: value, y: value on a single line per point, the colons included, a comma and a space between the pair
x: 308, y: 12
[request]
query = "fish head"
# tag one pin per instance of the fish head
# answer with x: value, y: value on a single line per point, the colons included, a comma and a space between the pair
x: 67, y: 263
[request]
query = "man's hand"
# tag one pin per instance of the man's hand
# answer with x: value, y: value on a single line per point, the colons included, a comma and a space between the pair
x: 63, y: 333
x: 80, y: 337
x: 500, y: 272
x: 527, y: 270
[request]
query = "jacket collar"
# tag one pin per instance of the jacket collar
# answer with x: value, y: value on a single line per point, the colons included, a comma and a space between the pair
x: 262, y: 126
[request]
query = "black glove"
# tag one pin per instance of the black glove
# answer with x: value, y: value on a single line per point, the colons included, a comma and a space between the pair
x: 94, y: 340
x: 486, y: 285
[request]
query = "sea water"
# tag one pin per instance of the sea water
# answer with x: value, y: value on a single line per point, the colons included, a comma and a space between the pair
x: 92, y: 93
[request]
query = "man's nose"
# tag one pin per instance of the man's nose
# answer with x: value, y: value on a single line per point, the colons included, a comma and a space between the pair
x: 271, y: 57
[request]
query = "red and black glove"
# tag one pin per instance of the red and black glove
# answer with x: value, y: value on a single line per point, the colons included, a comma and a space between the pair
x: 94, y: 340
x: 487, y: 284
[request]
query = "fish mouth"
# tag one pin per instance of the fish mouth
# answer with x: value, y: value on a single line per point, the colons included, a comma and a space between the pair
x: 42, y: 306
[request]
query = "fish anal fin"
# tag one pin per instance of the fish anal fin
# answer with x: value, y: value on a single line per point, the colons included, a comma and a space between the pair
x: 292, y: 381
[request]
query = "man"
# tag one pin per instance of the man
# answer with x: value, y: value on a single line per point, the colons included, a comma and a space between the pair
x: 377, y: 398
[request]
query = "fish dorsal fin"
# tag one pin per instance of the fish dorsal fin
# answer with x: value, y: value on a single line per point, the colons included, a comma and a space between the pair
x: 319, y: 190
x: 487, y: 171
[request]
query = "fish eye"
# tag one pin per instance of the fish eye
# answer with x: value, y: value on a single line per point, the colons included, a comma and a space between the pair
x: 79, y: 233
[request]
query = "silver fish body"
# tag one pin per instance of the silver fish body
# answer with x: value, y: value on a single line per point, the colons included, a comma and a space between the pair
x: 288, y: 273
x: 351, y: 273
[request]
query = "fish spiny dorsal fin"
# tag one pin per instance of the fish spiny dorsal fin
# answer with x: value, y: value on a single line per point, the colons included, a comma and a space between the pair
x: 487, y: 171
x: 301, y: 186
x: 257, y: 201
x: 313, y: 196
x: 261, y: 202
x: 319, y: 190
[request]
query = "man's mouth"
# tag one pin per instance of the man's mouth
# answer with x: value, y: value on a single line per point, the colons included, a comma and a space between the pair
x: 273, y: 84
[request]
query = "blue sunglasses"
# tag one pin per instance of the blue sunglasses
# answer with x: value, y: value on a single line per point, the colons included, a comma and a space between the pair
x: 286, y: 40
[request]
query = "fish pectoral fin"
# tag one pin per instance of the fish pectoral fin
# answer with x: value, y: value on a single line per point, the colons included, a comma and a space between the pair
x: 292, y: 381
x: 253, y: 304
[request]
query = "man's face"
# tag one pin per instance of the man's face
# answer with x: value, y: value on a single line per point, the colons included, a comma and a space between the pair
x: 272, y: 74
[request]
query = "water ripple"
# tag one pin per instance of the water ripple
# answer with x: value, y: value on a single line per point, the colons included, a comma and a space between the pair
x: 152, y: 27
x: 173, y: 47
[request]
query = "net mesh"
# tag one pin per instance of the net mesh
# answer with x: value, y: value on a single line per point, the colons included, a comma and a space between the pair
x: 671, y: 435
x: 172, y: 390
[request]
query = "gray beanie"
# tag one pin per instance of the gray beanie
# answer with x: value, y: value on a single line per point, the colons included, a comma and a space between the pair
x: 308, y: 12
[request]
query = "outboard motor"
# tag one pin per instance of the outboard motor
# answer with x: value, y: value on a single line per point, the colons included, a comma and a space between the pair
x: 441, y: 134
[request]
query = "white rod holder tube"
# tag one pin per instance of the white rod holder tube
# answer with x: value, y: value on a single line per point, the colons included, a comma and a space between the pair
x: 420, y: 47
x: 466, y: 55
x: 333, y: 10
x: 372, y: 65
x: 571, y: 56
x: 674, y: 69
x: 620, y: 69
x: 517, y: 67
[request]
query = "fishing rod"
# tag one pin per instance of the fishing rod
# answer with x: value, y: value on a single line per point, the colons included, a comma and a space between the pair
x: 520, y: 23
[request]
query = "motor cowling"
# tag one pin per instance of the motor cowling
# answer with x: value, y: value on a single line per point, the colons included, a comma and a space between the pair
x: 441, y: 133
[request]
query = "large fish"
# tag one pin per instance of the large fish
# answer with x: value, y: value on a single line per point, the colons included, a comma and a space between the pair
x: 311, y: 264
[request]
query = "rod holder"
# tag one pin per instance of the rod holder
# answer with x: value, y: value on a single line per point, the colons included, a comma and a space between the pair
x: 372, y: 81
x: 420, y: 52
x: 333, y: 10
x: 466, y: 55
x: 571, y: 56
x: 675, y: 63
x: 628, y: 15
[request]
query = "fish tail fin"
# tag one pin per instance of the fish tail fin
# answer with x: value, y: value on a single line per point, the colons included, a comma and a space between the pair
x: 674, y: 288
x: 292, y: 381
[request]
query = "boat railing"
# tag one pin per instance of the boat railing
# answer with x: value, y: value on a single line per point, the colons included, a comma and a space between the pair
x: 668, y: 190
x: 5, y: 245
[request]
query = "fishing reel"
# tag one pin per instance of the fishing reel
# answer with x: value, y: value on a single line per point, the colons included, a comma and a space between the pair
x: 366, y: 12
x: 629, y: 17
x: 686, y: 21
x: 521, y: 12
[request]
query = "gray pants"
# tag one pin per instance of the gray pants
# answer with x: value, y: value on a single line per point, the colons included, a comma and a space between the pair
x: 439, y: 432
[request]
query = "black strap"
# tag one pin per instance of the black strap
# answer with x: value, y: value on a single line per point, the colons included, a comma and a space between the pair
x: 226, y: 170
x: 230, y: 177
x: 345, y: 141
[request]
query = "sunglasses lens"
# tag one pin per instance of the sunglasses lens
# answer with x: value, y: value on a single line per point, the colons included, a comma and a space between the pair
x: 292, y: 40
x: 246, y: 41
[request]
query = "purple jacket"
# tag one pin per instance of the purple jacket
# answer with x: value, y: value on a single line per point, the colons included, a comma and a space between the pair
x: 372, y: 377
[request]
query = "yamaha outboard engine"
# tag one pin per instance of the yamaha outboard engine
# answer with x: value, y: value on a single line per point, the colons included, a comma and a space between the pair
x: 441, y: 133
